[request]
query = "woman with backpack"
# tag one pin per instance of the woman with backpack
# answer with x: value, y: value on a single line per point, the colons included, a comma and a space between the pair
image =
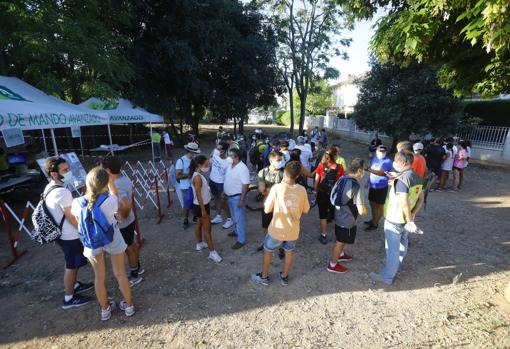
x: 201, y: 208
x: 327, y: 173
x: 96, y: 213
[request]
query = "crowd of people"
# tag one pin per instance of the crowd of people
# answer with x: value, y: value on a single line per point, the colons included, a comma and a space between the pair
x: 102, y: 222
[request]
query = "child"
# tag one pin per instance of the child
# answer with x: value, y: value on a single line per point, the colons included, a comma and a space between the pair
x: 201, y: 208
x: 288, y: 201
x: 446, y: 166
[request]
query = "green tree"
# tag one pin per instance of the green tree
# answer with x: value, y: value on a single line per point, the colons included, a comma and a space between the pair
x: 469, y: 40
x: 404, y: 101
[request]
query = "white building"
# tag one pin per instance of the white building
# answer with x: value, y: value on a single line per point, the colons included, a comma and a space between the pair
x: 346, y: 94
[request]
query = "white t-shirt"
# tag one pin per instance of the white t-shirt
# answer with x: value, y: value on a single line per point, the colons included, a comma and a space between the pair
x: 206, y: 190
x: 219, y: 167
x: 166, y: 138
x: 125, y: 188
x: 183, y: 164
x: 235, y: 178
x: 56, y: 201
x: 109, y: 208
x: 286, y: 155
x: 448, y: 163
x: 292, y: 144
x: 306, y: 155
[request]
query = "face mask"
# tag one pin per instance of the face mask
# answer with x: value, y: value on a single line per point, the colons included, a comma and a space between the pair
x: 397, y: 167
x: 279, y: 164
x: 205, y: 169
x: 380, y: 156
x: 68, y: 177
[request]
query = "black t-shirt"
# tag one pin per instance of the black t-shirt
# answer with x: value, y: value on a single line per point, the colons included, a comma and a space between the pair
x: 434, y: 155
x: 374, y: 144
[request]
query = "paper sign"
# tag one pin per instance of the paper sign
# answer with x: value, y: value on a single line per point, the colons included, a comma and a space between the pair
x: 76, y: 131
x: 13, y: 137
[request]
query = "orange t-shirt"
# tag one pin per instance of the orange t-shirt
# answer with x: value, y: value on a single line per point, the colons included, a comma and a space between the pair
x: 419, y: 165
x: 288, y: 203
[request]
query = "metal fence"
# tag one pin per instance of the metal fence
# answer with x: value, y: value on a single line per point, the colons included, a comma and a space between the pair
x: 488, y: 137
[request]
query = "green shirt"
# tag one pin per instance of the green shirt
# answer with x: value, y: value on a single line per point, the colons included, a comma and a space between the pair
x: 341, y: 161
x: 156, y: 138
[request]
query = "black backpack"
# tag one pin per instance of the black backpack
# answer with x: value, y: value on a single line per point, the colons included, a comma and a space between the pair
x: 45, y: 228
x: 329, y: 179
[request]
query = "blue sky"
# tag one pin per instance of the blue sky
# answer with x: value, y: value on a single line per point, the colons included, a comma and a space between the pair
x: 358, y: 51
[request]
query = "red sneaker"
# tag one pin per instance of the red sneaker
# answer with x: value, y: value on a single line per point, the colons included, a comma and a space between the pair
x: 345, y: 258
x: 338, y: 268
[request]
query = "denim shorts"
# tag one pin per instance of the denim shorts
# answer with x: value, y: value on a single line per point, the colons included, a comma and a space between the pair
x: 271, y: 244
x: 117, y: 246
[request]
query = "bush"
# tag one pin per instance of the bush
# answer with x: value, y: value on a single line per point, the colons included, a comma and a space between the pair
x: 286, y: 118
x: 278, y: 117
x: 492, y: 112
x: 266, y: 122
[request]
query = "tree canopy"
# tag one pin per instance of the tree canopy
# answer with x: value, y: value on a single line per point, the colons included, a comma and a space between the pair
x: 469, y: 40
x: 405, y: 101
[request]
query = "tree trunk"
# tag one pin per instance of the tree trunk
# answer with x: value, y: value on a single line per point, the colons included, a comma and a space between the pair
x: 302, y: 111
x: 235, y: 126
x: 241, y: 126
x: 291, y: 106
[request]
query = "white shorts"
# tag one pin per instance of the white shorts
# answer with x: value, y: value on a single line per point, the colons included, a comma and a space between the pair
x: 117, y: 246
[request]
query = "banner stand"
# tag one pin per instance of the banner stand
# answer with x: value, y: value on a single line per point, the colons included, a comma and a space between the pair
x: 110, y: 138
x: 55, y: 149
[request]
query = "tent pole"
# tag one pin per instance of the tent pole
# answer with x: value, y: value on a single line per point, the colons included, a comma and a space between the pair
x: 55, y: 149
x: 81, y: 146
x: 110, y: 137
x: 44, y: 141
x: 152, y: 145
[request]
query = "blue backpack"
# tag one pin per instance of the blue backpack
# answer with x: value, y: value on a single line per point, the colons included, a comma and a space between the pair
x: 95, y: 230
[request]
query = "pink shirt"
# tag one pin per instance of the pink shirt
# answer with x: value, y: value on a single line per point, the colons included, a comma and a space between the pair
x: 460, y: 159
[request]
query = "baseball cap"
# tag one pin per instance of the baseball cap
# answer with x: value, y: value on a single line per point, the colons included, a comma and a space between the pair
x: 417, y: 146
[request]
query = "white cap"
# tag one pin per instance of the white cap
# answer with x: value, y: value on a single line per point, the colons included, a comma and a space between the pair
x: 417, y: 146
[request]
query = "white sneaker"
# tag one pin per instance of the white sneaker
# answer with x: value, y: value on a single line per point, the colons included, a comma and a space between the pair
x: 128, y: 310
x: 215, y: 257
x: 217, y: 220
x: 200, y: 246
x: 106, y: 314
x: 228, y: 224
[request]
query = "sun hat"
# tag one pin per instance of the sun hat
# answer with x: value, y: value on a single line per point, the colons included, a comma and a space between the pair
x: 417, y: 146
x: 192, y: 147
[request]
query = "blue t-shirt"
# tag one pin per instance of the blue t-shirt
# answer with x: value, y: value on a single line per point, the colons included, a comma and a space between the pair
x: 379, y: 182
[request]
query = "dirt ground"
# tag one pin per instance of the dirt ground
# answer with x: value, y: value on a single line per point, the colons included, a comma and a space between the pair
x: 449, y: 294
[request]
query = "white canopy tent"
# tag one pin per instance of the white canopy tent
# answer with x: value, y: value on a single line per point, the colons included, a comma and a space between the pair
x: 122, y: 111
x: 24, y: 107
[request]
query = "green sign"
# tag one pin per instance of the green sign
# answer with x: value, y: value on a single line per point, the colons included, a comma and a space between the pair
x: 6, y: 93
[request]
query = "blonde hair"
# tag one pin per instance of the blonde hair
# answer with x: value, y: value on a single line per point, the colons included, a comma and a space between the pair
x: 97, y: 184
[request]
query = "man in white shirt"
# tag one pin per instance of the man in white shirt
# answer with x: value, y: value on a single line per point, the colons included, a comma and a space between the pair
x: 182, y: 174
x: 306, y: 152
x: 220, y: 162
x: 235, y: 187
x: 169, y: 145
x: 59, y: 201
x: 112, y: 165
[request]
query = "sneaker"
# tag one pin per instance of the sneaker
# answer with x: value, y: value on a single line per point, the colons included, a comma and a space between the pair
x: 138, y: 271
x: 76, y: 301
x: 338, y: 268
x: 237, y: 245
x: 215, y: 257
x: 127, y: 309
x: 345, y: 258
x: 260, y: 248
x: 323, y: 239
x: 377, y: 278
x: 217, y: 220
x: 369, y: 223
x: 185, y: 224
x: 228, y: 224
x: 81, y: 287
x: 135, y: 280
x: 281, y: 253
x: 258, y: 279
x: 106, y: 314
x: 232, y: 234
x: 284, y: 281
x: 200, y: 246
x: 371, y: 227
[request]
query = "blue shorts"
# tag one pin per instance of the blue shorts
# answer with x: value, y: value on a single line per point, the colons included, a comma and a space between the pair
x: 73, y: 253
x: 216, y: 188
x: 271, y: 244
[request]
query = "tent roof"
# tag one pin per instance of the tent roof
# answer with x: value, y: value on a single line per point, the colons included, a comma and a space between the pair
x: 122, y: 111
x: 24, y: 106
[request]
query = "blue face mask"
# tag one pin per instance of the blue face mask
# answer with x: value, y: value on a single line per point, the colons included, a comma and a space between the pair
x: 68, y: 177
x: 279, y: 164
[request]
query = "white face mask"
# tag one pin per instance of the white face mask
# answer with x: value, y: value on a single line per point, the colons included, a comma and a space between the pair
x: 68, y: 177
x: 380, y: 155
x: 205, y: 169
x: 279, y: 164
x: 397, y: 167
